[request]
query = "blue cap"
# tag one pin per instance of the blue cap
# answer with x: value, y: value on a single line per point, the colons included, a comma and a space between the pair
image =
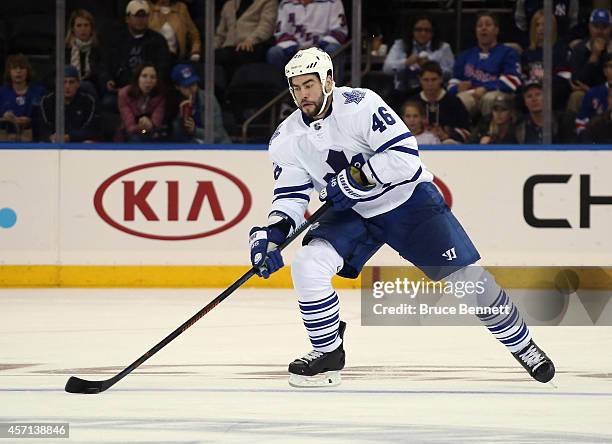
x: 71, y: 71
x: 184, y: 75
x: 601, y: 16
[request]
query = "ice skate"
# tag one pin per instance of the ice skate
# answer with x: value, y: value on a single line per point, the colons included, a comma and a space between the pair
x: 535, y: 361
x: 319, y: 369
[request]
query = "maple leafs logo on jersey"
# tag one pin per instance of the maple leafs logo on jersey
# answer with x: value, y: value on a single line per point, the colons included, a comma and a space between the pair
x: 354, y: 96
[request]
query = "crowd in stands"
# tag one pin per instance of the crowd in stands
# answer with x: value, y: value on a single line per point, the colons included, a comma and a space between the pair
x: 142, y: 80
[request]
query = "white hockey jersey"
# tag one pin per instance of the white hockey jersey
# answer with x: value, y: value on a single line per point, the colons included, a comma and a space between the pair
x: 360, y: 129
x: 307, y: 25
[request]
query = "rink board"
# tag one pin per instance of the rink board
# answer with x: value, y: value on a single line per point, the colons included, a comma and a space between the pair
x: 171, y: 216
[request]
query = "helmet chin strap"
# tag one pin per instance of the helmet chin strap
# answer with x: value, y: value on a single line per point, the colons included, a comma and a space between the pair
x: 325, y: 97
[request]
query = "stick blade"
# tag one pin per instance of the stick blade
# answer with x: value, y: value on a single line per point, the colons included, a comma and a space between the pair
x: 78, y: 385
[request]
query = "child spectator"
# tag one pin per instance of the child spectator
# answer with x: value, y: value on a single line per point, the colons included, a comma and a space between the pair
x: 500, y: 128
x: 82, y: 50
x: 172, y: 20
x: 141, y: 105
x: 445, y: 114
x: 413, y: 116
x: 420, y: 45
x: 188, y: 126
x: 81, y: 118
x: 18, y: 97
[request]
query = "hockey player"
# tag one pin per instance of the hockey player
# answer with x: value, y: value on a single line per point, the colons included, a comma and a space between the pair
x: 353, y: 149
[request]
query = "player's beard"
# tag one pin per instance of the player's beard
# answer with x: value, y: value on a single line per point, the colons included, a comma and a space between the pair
x: 312, y: 111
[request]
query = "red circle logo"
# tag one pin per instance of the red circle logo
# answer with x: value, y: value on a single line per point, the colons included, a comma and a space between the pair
x: 172, y: 200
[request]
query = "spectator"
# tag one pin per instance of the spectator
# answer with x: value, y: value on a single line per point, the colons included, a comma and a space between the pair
x: 486, y: 71
x: 413, y: 115
x: 500, y: 128
x: 133, y: 46
x: 81, y: 122
x: 533, y: 65
x: 565, y: 13
x: 188, y: 125
x: 305, y: 23
x: 531, y: 129
x: 141, y: 105
x: 244, y: 29
x: 82, y: 50
x: 18, y: 97
x: 420, y: 45
x: 172, y: 20
x: 599, y: 130
x: 587, y: 59
x: 595, y: 101
x: 445, y: 114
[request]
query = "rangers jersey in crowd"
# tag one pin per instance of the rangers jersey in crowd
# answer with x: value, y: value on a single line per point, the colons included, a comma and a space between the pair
x: 595, y: 102
x: 359, y: 129
x: 497, y: 69
x: 311, y: 23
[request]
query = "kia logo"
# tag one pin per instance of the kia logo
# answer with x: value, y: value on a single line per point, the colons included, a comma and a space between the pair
x: 172, y: 201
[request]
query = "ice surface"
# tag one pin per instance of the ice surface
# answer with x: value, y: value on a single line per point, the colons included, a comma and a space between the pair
x: 224, y: 379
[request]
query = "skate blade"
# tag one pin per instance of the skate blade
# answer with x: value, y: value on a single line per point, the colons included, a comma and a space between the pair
x: 327, y: 379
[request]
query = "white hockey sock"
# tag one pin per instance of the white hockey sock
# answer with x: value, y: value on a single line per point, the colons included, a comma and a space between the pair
x: 508, y: 327
x: 312, y: 270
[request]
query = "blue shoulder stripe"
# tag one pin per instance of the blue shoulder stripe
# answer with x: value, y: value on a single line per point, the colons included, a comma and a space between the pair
x: 306, y: 197
x: 295, y: 188
x: 393, y: 141
x: 404, y: 149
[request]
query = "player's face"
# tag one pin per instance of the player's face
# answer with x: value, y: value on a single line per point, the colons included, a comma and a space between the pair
x: 412, y: 118
x: 422, y: 31
x: 533, y: 100
x: 308, y: 93
x: 431, y: 83
x: 486, y: 31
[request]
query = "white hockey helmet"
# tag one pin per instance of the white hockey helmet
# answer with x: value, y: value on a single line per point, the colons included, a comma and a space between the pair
x: 311, y: 61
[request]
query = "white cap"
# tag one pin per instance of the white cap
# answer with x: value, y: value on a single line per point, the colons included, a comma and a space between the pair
x: 311, y: 61
x: 134, y: 6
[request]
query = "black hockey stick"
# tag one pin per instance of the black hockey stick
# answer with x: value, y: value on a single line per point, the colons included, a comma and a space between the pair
x: 78, y: 385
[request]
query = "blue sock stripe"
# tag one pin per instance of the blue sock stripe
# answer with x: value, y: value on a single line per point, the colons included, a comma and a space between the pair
x: 328, y: 315
x: 328, y: 339
x: 334, y: 305
x: 325, y: 323
x: 324, y: 334
x: 320, y: 306
x: 306, y: 304
x: 500, y: 301
x: 507, y: 321
x: 323, y: 327
x: 517, y: 337
x: 325, y: 344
